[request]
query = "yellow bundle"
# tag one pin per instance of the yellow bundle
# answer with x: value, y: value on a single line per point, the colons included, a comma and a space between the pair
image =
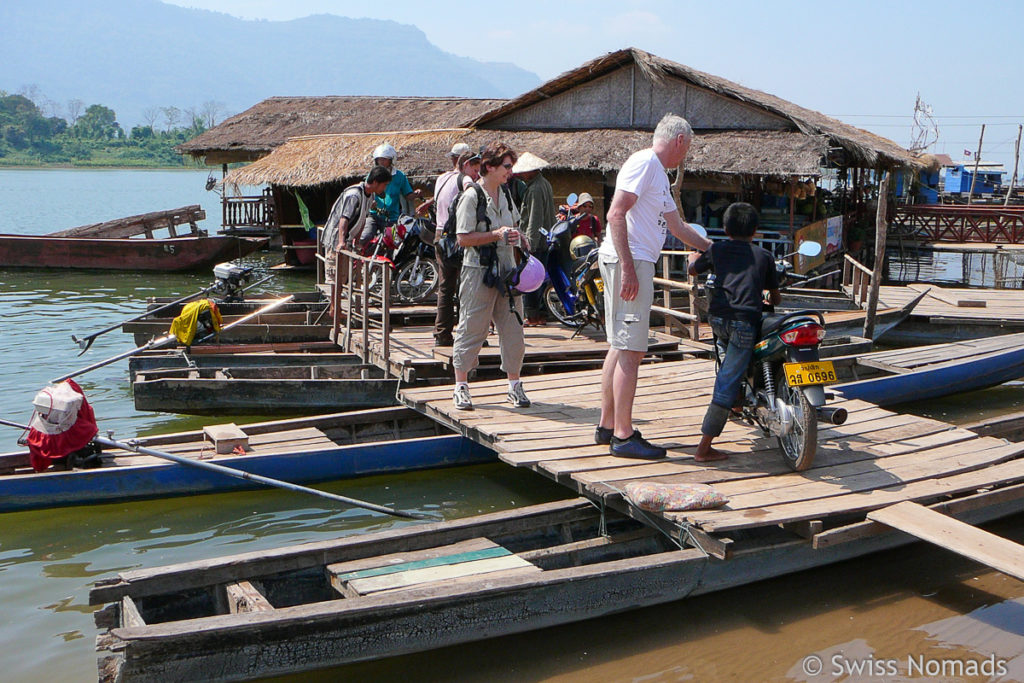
x: 184, y: 327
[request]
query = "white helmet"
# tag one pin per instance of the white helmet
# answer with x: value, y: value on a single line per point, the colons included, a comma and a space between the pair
x: 385, y: 151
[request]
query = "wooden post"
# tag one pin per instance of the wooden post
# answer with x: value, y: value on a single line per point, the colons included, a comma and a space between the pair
x: 876, y: 272
x: 977, y: 160
x: 666, y: 295
x: 1016, y: 159
x: 792, y: 203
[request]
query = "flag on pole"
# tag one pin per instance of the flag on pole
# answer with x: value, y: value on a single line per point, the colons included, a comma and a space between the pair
x: 967, y: 153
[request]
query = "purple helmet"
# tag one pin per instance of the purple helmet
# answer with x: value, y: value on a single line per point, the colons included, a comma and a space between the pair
x: 531, y: 276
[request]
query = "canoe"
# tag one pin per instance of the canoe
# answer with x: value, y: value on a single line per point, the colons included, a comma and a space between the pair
x: 428, y: 586
x: 276, y: 328
x: 300, y: 450
x: 852, y: 322
x: 195, y: 252
x: 265, y: 389
x: 922, y: 373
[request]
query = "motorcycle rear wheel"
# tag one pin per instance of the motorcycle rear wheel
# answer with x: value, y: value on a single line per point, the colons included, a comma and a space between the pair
x: 416, y: 281
x: 800, y: 445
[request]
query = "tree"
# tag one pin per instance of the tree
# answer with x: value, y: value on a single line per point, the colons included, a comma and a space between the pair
x: 171, y: 116
x: 98, y: 123
x: 74, y: 110
x: 149, y: 117
x: 210, y: 111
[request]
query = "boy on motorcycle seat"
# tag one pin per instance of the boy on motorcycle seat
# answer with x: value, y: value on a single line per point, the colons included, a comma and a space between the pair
x: 742, y: 272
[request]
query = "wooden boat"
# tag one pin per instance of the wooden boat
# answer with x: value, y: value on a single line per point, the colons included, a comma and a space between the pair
x: 163, y: 360
x: 852, y: 322
x: 921, y: 373
x: 427, y: 586
x: 299, y: 450
x: 108, y: 246
x: 341, y: 384
x: 268, y: 328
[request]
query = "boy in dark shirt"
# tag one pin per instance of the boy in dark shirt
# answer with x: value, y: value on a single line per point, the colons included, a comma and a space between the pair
x: 742, y: 272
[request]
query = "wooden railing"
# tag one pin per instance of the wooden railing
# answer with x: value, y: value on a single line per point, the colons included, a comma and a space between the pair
x: 951, y: 223
x: 366, y: 284
x: 856, y: 280
x: 249, y: 213
x: 668, y: 285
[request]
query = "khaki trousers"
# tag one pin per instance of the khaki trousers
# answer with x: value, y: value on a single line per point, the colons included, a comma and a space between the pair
x: 479, y: 305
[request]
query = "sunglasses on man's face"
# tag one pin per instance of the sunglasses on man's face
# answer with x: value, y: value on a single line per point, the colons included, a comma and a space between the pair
x: 507, y: 167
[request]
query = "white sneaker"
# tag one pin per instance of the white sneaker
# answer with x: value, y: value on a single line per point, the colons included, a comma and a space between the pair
x: 461, y: 399
x: 517, y: 396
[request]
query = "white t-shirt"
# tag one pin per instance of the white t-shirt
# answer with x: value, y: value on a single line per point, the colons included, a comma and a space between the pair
x: 644, y: 176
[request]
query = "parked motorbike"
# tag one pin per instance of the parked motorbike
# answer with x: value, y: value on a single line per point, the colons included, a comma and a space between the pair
x: 784, y: 390
x: 574, y: 291
x: 411, y: 259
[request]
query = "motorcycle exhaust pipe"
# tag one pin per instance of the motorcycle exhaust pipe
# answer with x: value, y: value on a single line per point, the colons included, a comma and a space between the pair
x: 836, y: 416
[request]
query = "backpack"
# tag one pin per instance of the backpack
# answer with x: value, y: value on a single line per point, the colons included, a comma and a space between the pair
x: 448, y: 246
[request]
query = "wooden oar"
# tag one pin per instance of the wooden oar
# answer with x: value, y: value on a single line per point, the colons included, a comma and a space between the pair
x: 248, y: 476
x: 165, y: 340
x: 85, y: 342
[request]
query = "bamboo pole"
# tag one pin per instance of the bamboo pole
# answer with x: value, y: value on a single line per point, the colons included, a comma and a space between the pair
x: 1016, y: 159
x: 977, y: 160
x: 881, y: 230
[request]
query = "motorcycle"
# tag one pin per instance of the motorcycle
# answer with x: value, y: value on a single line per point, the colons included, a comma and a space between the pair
x: 574, y: 291
x: 411, y: 259
x: 783, y: 392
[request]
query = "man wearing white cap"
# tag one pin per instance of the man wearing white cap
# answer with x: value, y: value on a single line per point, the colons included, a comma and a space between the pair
x: 538, y: 213
x: 641, y: 212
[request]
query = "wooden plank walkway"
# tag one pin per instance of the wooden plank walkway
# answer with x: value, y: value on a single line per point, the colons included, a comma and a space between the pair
x: 413, y: 354
x: 876, y: 459
x: 956, y: 303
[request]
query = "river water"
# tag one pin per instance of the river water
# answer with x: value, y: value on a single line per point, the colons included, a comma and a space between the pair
x: 920, y: 603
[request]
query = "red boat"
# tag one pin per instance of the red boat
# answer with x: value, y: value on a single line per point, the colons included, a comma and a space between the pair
x: 171, y: 254
x: 110, y: 246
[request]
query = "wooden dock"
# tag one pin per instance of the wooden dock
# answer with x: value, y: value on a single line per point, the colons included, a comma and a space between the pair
x: 878, y: 458
x: 412, y: 356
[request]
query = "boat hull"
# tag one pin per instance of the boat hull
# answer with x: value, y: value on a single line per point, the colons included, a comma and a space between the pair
x: 164, y: 255
x: 132, y: 482
x: 937, y: 381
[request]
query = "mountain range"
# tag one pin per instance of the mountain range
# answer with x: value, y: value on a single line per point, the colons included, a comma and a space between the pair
x: 134, y: 55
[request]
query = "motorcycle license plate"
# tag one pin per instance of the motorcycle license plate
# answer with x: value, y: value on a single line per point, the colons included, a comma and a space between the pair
x: 802, y: 374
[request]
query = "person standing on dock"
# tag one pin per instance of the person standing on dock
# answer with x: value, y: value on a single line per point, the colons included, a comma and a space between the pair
x: 641, y: 210
x: 465, y: 171
x: 489, y: 236
x: 538, y: 215
x: 387, y: 207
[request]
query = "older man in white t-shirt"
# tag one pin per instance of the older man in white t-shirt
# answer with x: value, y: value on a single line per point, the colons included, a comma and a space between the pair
x: 641, y: 211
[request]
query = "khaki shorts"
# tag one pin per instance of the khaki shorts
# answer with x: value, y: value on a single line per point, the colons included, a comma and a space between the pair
x: 628, y: 323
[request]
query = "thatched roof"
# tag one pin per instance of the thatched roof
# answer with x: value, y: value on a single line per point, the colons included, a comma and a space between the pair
x: 866, y: 148
x: 270, y: 123
x: 318, y: 160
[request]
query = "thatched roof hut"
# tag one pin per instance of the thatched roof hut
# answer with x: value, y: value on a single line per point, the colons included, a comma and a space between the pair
x: 323, y: 159
x: 591, y: 119
x: 257, y: 131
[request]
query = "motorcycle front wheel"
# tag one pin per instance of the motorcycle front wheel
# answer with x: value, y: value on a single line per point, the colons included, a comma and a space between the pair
x: 555, y: 307
x: 800, y: 445
x: 416, y: 281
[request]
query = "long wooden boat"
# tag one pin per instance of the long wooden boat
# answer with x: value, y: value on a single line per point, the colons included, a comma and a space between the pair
x: 171, y: 360
x: 344, y: 384
x: 428, y: 586
x: 267, y: 328
x: 165, y: 255
x: 299, y: 450
x: 921, y: 373
x: 852, y: 322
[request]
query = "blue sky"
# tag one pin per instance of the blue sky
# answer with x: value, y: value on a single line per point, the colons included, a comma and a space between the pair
x: 862, y: 62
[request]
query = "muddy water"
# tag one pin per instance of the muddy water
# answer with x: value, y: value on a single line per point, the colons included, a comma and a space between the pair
x: 897, y: 614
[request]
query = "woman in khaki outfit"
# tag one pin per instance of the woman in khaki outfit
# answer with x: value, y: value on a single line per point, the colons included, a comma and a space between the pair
x: 479, y: 305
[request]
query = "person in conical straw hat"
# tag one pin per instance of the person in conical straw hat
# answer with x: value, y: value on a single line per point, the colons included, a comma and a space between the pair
x: 538, y: 213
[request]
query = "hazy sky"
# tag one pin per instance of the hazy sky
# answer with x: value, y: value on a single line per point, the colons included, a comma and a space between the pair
x: 862, y: 62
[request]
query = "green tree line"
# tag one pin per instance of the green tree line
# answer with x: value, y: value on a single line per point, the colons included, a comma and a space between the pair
x: 92, y: 136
